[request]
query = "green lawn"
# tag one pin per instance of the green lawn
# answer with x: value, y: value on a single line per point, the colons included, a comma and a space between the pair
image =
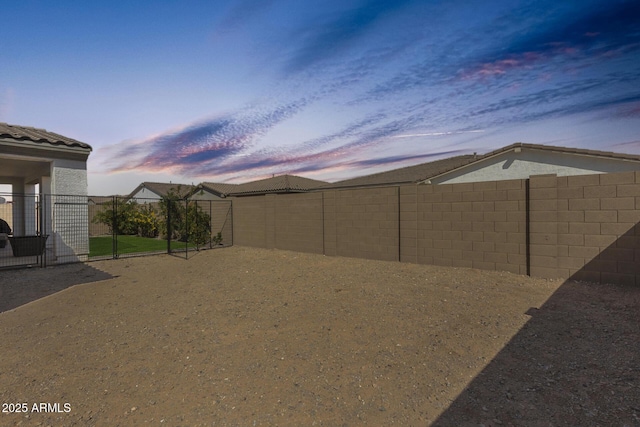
x: 103, y: 246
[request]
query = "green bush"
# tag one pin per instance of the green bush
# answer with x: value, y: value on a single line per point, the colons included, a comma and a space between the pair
x: 146, y: 221
x: 119, y: 213
x: 184, y: 220
x: 129, y: 218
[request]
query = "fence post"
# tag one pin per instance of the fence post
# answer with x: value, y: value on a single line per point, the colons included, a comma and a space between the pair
x: 168, y: 225
x: 114, y: 227
x: 186, y: 227
x: 527, y: 198
x: 41, y: 209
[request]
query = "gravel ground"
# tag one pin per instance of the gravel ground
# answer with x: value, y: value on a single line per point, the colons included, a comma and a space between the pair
x: 243, y: 336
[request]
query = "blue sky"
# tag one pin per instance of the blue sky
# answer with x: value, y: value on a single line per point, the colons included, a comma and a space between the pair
x: 230, y: 91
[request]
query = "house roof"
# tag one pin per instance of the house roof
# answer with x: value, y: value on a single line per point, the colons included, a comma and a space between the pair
x: 162, y: 189
x: 425, y: 171
x: 409, y: 174
x: 276, y: 184
x: 566, y: 150
x: 548, y: 148
x: 221, y: 189
x: 26, y: 133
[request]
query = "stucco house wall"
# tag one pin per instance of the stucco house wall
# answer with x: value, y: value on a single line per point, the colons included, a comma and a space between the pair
x: 32, y: 158
x: 145, y: 195
x: 522, y: 163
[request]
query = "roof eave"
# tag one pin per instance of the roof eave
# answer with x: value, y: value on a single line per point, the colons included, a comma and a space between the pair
x: 51, y: 150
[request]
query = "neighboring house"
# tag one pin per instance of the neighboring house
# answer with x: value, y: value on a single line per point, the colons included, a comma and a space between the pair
x: 149, y: 192
x: 407, y: 175
x: 213, y: 191
x: 519, y: 161
x: 278, y: 184
x: 45, y: 169
x: 516, y: 161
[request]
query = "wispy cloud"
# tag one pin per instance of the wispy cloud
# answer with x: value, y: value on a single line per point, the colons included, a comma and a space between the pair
x: 402, y: 77
x: 610, y: 29
x: 183, y: 150
x: 415, y: 135
x: 629, y: 111
x: 339, y: 32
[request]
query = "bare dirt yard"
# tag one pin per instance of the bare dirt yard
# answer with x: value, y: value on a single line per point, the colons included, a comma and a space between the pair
x: 243, y: 337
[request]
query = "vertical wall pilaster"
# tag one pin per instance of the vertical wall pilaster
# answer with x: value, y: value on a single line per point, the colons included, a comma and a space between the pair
x: 543, y: 225
x: 270, y: 220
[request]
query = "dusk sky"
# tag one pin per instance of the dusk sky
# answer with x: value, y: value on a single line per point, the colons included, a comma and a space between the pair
x: 231, y: 91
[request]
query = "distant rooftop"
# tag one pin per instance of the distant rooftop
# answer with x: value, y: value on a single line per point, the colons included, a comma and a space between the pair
x: 406, y: 175
x: 162, y: 189
x: 276, y: 184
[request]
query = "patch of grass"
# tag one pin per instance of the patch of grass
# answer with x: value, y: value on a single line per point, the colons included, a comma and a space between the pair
x: 103, y: 246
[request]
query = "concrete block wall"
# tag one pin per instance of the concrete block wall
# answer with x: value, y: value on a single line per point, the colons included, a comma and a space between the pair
x: 367, y: 223
x: 283, y: 221
x: 599, y: 228
x: 221, y: 218
x: 330, y: 228
x: 476, y: 225
x: 409, y: 223
x: 543, y: 225
x: 581, y: 227
x: 221, y: 214
x: 249, y: 221
x: 299, y: 222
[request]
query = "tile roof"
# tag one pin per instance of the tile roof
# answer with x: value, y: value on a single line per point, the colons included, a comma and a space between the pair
x: 26, y: 133
x: 409, y: 174
x: 276, y: 184
x: 219, y: 188
x: 162, y: 189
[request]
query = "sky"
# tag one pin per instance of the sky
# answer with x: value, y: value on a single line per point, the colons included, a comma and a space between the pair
x: 235, y: 90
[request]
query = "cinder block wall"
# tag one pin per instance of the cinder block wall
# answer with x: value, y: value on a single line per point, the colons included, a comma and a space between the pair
x: 367, y: 223
x: 249, y: 221
x: 330, y: 222
x: 478, y: 225
x: 409, y: 223
x: 299, y: 222
x: 599, y: 228
x: 220, y: 213
x: 581, y: 227
x: 221, y: 218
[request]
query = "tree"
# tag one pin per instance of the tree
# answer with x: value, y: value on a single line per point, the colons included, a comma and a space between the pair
x: 184, y: 220
x: 118, y: 216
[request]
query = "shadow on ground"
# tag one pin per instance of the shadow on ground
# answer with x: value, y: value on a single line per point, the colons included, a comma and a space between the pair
x: 19, y: 287
x: 580, y: 352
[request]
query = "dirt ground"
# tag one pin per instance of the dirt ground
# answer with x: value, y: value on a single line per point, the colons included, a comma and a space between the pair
x: 243, y: 337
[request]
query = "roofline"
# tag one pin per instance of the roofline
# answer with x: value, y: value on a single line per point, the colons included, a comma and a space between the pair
x: 539, y: 147
x: 51, y: 138
x: 45, y: 147
x: 144, y: 185
x: 385, y: 184
x: 276, y: 191
x: 202, y: 186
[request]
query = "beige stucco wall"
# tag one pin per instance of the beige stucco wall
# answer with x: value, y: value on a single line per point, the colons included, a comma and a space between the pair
x: 526, y: 163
